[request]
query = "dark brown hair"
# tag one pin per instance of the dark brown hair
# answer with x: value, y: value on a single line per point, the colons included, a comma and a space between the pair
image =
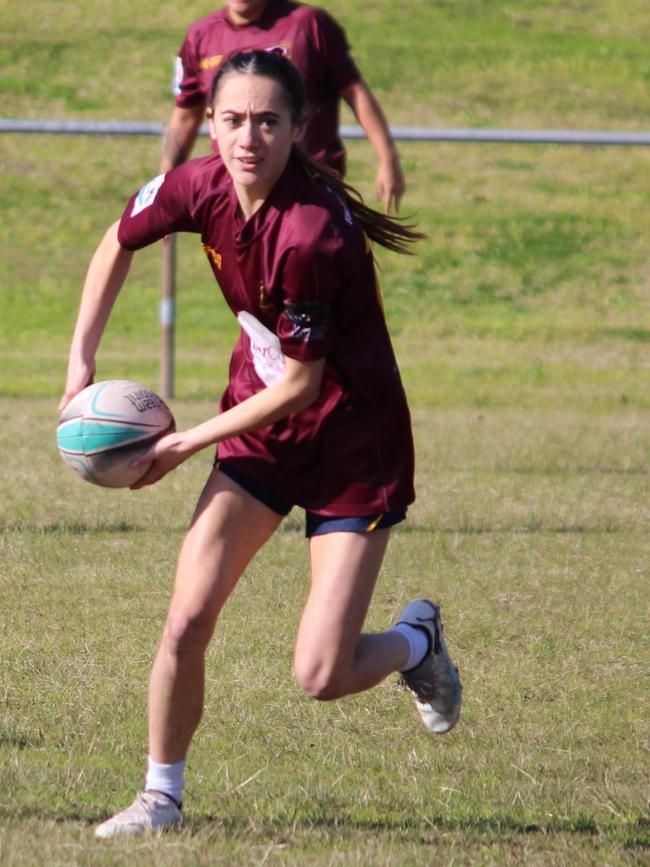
x: 390, y: 232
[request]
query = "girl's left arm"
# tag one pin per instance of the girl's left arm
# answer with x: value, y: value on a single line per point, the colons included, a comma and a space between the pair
x: 106, y: 274
x: 390, y: 178
x: 296, y: 390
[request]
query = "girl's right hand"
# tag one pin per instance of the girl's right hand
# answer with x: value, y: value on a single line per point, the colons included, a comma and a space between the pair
x: 80, y: 374
x: 163, y: 457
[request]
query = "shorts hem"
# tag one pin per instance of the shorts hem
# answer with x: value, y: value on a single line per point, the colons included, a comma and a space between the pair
x: 316, y: 524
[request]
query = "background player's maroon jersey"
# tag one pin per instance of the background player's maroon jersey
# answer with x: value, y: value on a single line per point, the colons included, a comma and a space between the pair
x: 309, y: 37
x: 300, y: 276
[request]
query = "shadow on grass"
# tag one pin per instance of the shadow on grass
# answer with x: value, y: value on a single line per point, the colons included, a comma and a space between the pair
x: 579, y: 470
x: 636, y: 832
x: 294, y: 526
x: 633, y: 833
x: 20, y: 741
x: 291, y: 526
x: 81, y: 528
x: 534, y: 527
x: 635, y: 335
x: 511, y: 529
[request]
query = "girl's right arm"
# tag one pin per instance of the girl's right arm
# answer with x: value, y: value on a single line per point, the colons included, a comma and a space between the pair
x: 105, y: 277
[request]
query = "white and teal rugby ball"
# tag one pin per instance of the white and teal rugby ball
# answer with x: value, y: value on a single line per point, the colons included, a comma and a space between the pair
x: 106, y: 425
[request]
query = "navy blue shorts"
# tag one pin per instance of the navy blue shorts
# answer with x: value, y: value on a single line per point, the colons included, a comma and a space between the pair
x: 315, y: 525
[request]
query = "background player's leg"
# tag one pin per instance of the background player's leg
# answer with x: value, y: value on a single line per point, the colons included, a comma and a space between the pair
x: 332, y: 658
x: 228, y: 528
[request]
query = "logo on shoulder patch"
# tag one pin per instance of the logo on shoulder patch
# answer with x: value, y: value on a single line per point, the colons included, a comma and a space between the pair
x: 283, y: 48
x: 147, y: 195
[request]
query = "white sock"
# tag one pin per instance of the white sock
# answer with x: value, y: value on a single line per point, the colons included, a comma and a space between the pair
x: 166, y: 778
x: 418, y: 642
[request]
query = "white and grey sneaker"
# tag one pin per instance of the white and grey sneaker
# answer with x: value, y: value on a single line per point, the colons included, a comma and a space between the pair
x: 434, y: 682
x: 151, y: 811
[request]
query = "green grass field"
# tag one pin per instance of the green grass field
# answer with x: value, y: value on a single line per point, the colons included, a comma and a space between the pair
x: 521, y: 328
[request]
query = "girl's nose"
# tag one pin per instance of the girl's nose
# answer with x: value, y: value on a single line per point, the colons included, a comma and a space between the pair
x: 249, y: 137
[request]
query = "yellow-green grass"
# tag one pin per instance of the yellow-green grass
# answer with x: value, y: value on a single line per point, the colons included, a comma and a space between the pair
x: 521, y: 330
x: 439, y: 62
x: 530, y: 528
x: 530, y: 289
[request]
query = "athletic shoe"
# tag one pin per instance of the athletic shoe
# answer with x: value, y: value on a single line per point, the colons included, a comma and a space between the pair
x: 434, y: 682
x: 151, y: 811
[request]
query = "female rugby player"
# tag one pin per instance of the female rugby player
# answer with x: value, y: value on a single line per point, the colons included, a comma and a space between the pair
x: 314, y: 415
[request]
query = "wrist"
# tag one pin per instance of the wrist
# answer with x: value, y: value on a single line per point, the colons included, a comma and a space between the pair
x: 81, y: 361
x: 175, y: 149
x: 390, y: 157
x: 190, y: 441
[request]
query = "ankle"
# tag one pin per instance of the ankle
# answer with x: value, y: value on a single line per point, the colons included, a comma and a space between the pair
x: 166, y: 779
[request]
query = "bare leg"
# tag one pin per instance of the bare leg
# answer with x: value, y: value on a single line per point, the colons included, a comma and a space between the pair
x: 332, y: 658
x: 228, y: 528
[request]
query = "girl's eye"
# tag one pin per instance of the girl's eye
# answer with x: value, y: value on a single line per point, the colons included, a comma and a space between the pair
x: 232, y: 122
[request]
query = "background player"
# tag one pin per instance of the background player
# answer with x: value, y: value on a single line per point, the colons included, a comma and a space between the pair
x: 317, y: 46
x: 314, y: 415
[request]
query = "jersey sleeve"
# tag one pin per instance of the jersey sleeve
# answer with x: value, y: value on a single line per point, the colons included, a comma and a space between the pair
x: 162, y: 206
x: 188, y: 88
x: 310, y: 284
x: 334, y: 51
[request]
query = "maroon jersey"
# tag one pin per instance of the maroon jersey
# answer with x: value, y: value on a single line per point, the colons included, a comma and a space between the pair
x: 299, y: 275
x: 309, y: 37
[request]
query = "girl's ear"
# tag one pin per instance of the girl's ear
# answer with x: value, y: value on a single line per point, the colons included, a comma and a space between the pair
x: 209, y: 113
x: 299, y: 130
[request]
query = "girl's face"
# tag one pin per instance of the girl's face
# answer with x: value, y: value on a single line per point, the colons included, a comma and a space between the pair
x: 252, y: 126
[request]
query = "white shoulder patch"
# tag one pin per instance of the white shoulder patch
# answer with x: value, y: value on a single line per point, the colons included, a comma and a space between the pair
x: 147, y: 195
x: 179, y: 72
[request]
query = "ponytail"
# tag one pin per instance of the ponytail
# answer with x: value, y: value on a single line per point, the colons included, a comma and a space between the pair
x: 389, y: 232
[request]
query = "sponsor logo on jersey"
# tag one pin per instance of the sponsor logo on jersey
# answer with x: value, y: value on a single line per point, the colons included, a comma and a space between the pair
x: 213, y: 256
x: 211, y: 61
x: 179, y: 72
x: 147, y: 194
x: 265, y: 348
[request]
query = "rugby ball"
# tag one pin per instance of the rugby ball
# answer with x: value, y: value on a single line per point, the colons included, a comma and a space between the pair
x: 106, y: 426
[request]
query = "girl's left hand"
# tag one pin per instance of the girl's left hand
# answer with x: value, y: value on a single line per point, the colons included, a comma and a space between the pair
x: 165, y: 454
x: 390, y: 185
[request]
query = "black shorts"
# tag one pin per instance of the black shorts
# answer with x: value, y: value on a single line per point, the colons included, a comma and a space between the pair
x: 315, y: 525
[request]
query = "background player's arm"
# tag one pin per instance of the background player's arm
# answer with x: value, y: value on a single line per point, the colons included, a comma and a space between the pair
x: 390, y: 179
x: 180, y: 135
x: 296, y: 390
x: 105, y: 277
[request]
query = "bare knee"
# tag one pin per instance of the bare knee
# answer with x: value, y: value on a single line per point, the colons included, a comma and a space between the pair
x: 320, y: 680
x: 187, y: 635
